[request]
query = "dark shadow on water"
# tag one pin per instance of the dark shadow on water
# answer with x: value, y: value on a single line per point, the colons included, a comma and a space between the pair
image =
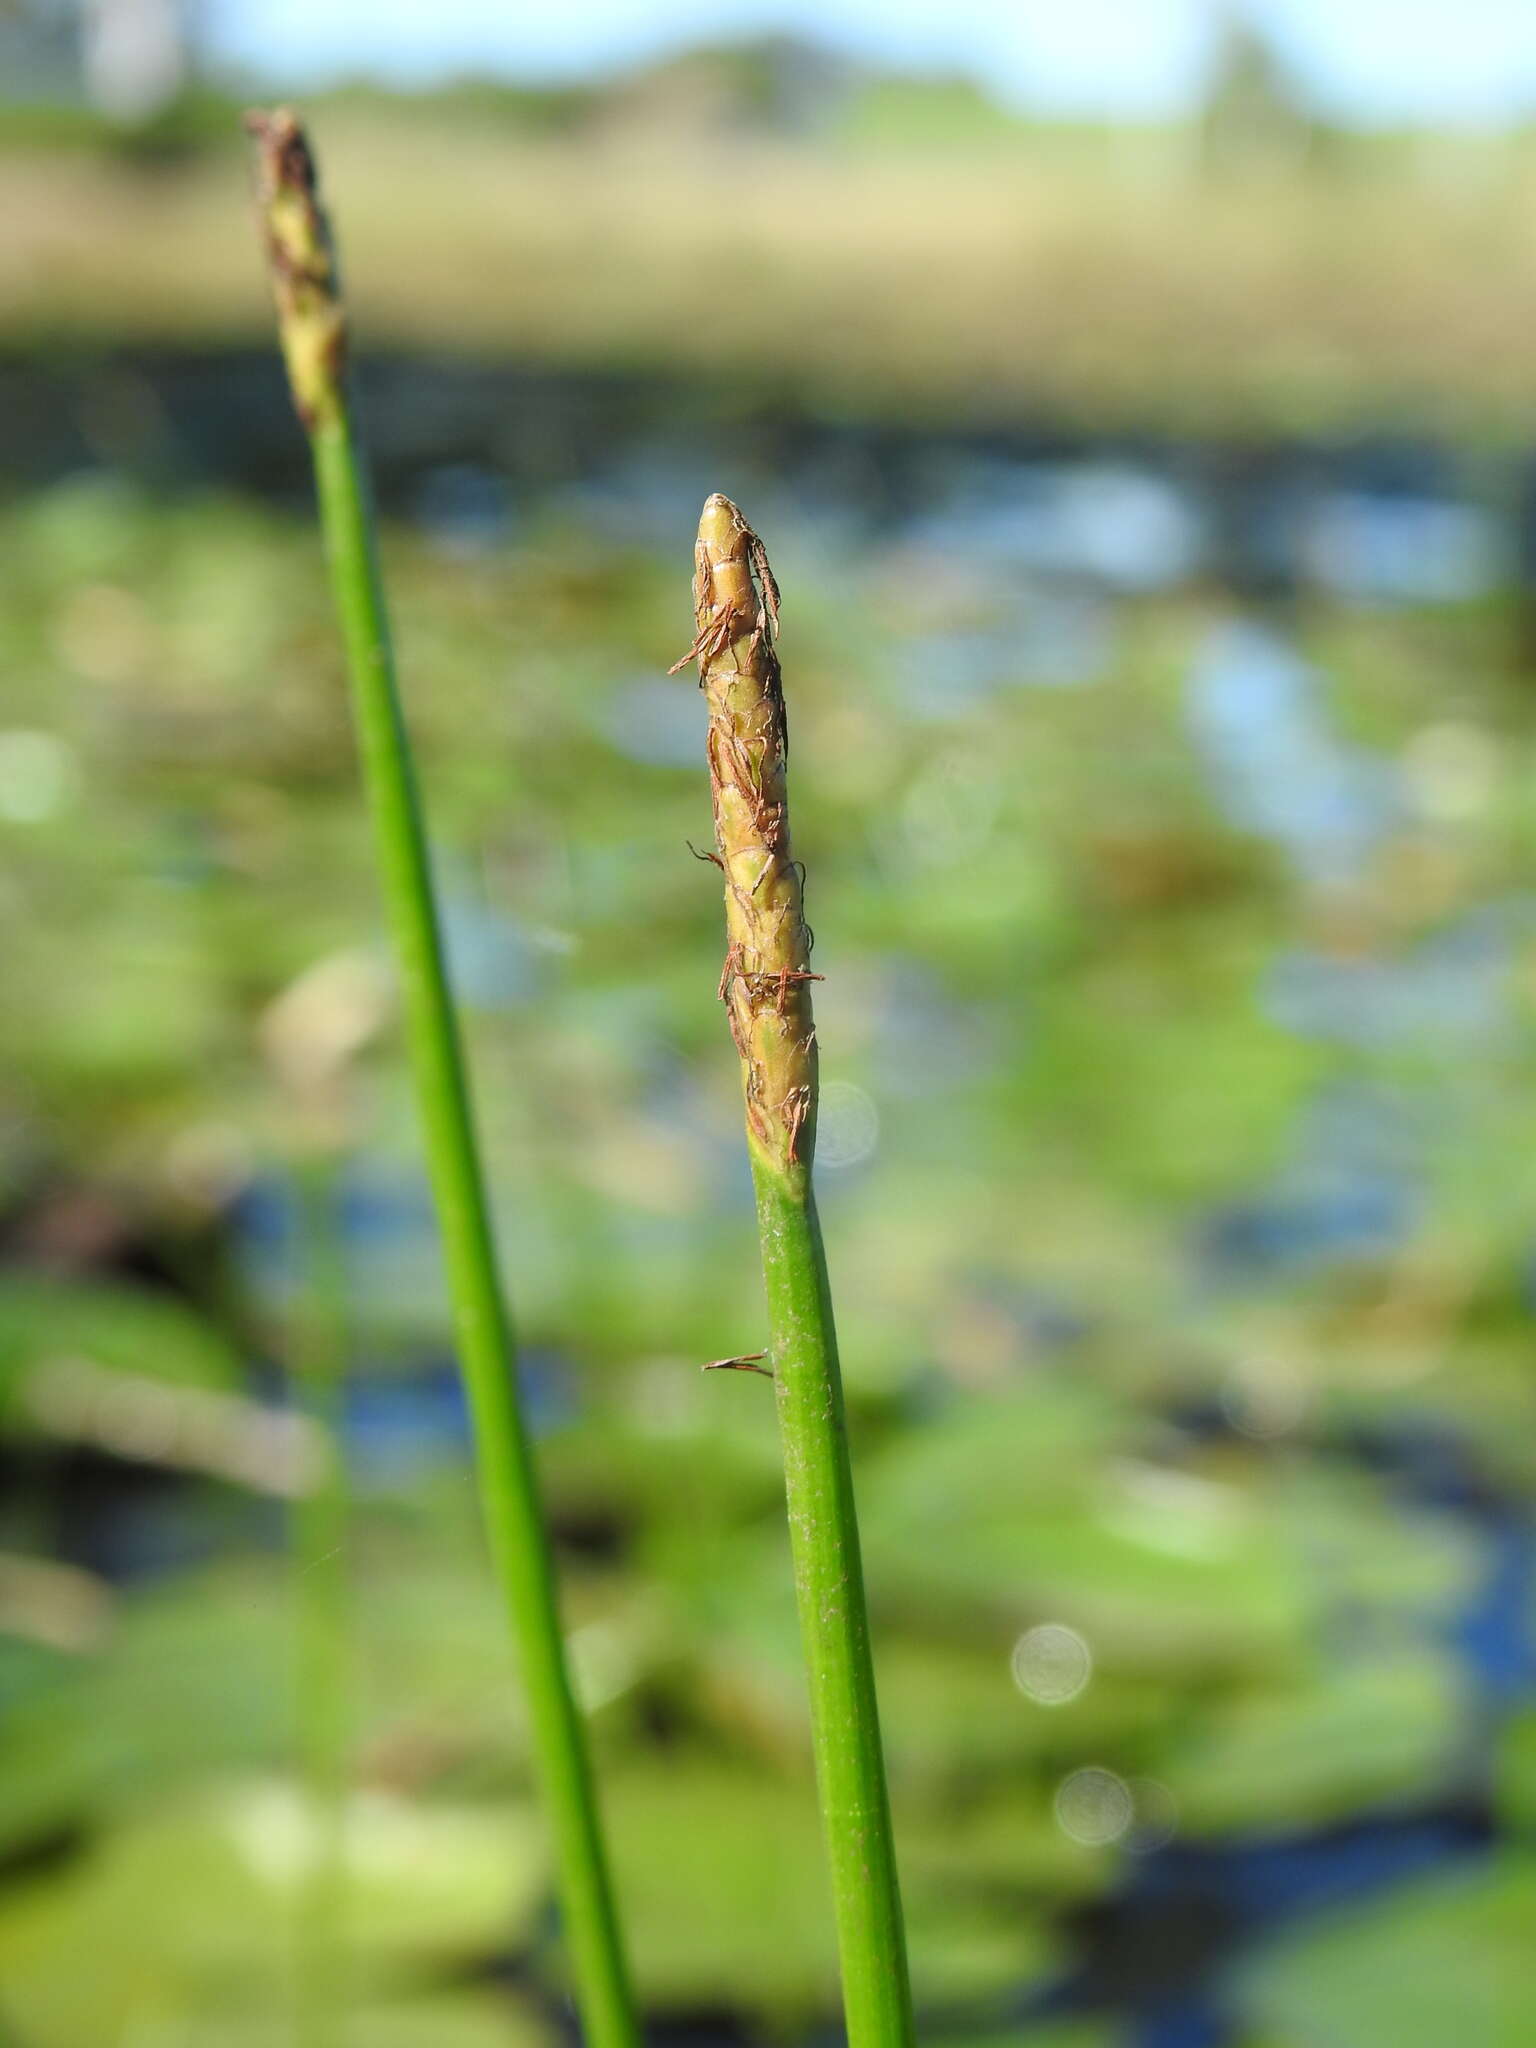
x: 463, y: 447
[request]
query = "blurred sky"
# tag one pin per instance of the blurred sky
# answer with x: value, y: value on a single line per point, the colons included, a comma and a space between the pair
x: 1371, y: 60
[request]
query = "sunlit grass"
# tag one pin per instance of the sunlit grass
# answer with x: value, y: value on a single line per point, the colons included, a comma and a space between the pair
x: 1115, y: 283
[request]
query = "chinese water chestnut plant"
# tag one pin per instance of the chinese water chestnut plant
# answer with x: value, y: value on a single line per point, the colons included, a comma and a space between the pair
x: 766, y: 987
x: 313, y: 331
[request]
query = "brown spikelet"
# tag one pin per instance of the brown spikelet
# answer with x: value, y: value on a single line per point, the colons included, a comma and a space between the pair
x: 301, y: 260
x: 765, y: 982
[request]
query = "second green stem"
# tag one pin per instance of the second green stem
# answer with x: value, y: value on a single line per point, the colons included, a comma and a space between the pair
x: 508, y: 1487
x: 834, y: 1624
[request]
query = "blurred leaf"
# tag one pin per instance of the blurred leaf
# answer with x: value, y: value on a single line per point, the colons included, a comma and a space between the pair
x: 1025, y: 1508
x: 189, y: 1914
x: 1515, y: 1774
x: 723, y: 1886
x: 1362, y: 1730
x: 120, y: 1328
x: 1445, y: 1961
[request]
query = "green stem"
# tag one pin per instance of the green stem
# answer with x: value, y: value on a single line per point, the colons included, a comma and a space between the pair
x: 834, y: 1622
x: 508, y: 1487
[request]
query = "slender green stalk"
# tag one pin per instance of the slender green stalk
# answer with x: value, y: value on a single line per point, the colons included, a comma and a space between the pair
x: 323, y: 1688
x: 312, y: 330
x: 766, y: 987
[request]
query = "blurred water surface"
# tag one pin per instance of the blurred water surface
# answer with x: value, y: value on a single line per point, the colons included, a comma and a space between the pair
x: 1169, y: 860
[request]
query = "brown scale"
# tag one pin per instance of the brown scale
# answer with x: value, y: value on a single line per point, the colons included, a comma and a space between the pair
x: 301, y: 260
x: 765, y: 982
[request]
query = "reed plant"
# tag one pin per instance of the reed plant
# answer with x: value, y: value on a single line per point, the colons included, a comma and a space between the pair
x: 766, y: 988
x: 313, y: 332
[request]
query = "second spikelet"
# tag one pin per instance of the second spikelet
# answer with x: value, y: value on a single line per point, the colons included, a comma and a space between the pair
x: 765, y: 982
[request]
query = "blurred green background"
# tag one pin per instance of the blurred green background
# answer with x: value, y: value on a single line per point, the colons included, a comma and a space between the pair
x: 1151, y: 492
